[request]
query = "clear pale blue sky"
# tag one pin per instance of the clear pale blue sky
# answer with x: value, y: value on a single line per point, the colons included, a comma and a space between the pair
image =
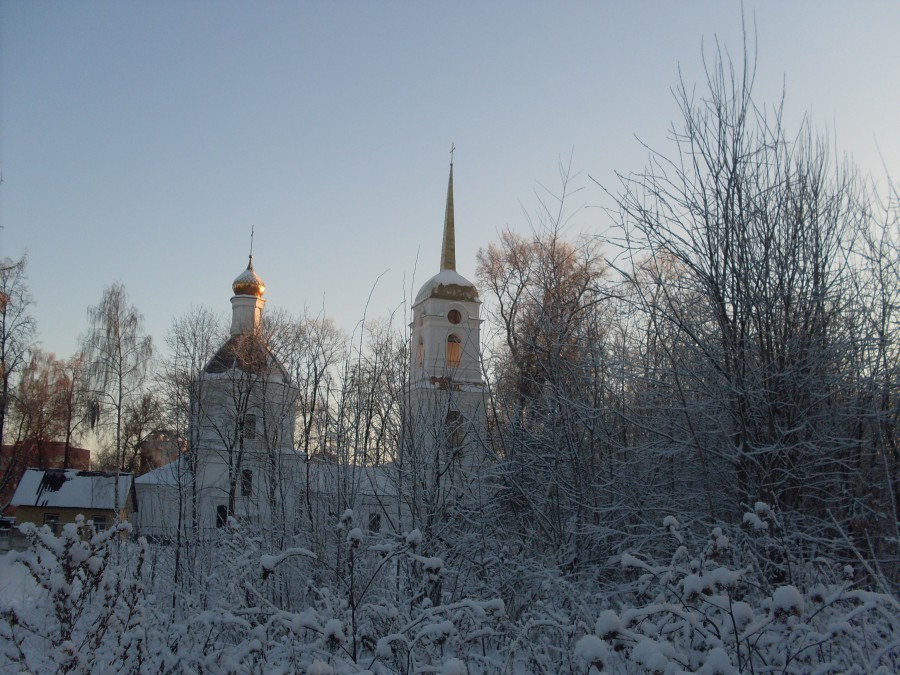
x: 139, y: 141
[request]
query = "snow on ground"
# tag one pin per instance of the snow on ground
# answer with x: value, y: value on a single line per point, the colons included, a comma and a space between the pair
x: 17, y: 588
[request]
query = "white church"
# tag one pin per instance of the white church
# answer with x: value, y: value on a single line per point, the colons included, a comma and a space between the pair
x: 243, y: 462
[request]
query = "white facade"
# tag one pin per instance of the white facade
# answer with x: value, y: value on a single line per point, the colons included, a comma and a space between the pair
x: 243, y: 463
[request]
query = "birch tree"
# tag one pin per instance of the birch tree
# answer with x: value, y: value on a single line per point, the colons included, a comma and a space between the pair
x: 118, y: 356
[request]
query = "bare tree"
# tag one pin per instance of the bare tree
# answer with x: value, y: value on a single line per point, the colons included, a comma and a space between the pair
x: 17, y: 330
x: 192, y: 342
x: 72, y: 399
x: 552, y: 381
x: 36, y: 401
x: 875, y: 365
x: 47, y: 407
x: 741, y: 246
x: 143, y: 416
x: 317, y: 348
x: 118, y: 357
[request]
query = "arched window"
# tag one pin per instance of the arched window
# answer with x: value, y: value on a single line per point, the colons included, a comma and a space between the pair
x: 420, y: 354
x: 454, y: 430
x: 454, y: 351
x: 249, y: 427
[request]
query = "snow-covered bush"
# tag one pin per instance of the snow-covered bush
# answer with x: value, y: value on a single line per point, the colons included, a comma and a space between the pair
x: 386, y: 612
x: 394, y: 607
x: 89, y: 613
x: 711, y: 611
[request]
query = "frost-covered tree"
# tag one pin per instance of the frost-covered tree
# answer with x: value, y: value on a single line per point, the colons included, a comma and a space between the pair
x: 742, y: 245
x: 553, y: 379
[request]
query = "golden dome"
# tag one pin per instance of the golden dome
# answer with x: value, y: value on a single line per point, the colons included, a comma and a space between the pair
x: 248, y: 282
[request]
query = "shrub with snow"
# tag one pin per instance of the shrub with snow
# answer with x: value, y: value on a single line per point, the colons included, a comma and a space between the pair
x: 707, y: 606
x: 590, y: 650
x: 454, y: 666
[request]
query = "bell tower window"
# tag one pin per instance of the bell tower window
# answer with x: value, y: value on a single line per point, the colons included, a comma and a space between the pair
x: 249, y: 426
x: 454, y: 351
x: 420, y: 353
x: 453, y: 316
x: 455, y: 431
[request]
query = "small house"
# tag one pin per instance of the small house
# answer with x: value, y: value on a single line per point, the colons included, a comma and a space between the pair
x: 56, y: 496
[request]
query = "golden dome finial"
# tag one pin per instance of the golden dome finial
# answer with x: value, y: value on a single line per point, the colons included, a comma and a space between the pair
x: 248, y: 282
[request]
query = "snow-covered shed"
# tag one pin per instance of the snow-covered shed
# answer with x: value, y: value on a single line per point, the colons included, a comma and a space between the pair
x: 56, y: 496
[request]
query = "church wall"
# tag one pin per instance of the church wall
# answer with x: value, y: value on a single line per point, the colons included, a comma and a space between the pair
x: 444, y: 446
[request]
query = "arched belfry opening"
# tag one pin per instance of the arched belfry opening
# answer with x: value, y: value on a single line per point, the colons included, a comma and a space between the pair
x: 454, y: 351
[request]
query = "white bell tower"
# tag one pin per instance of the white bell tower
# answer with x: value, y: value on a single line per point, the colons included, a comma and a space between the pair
x: 446, y: 415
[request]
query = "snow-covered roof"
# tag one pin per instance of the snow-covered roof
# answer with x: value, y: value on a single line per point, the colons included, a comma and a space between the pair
x: 324, y: 478
x: 67, y: 488
x: 249, y: 354
x: 450, y: 285
x: 173, y: 473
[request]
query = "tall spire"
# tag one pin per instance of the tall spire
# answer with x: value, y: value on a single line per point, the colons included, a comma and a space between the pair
x: 448, y: 250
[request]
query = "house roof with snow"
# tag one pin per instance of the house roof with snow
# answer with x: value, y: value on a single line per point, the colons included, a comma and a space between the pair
x: 67, y: 488
x: 176, y: 472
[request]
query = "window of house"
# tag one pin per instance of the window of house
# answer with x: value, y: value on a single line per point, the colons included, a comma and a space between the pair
x: 454, y: 351
x: 374, y: 522
x: 100, y: 523
x: 221, y: 515
x: 52, y: 520
x: 249, y: 426
x: 246, y: 483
